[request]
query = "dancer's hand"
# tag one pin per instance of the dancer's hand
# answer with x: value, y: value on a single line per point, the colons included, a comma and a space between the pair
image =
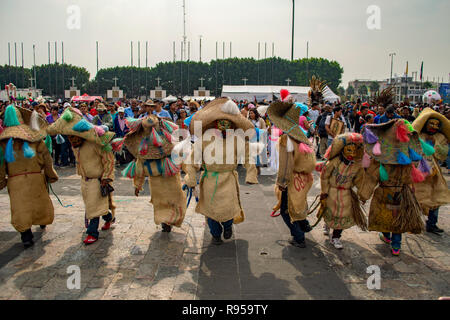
x: 136, y: 192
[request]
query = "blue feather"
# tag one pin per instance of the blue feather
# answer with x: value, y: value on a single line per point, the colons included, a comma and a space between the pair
x: 9, y: 152
x: 414, y: 155
x: 403, y: 159
x: 27, y: 151
x: 82, y: 126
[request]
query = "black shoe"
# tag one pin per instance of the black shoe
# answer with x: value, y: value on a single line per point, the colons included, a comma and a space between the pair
x: 227, y: 233
x: 435, y: 230
x: 216, y: 241
x: 166, y: 227
x: 297, y: 244
x: 43, y: 227
x: 305, y: 226
x: 28, y: 243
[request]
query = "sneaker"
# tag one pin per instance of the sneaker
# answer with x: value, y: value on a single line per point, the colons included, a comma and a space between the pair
x: 384, y: 239
x: 227, y: 233
x: 166, y: 227
x: 297, y: 244
x: 90, y: 240
x: 395, y: 252
x: 28, y: 243
x: 107, y: 225
x: 216, y: 241
x: 305, y: 226
x: 336, y: 242
x: 326, y: 230
x: 435, y: 230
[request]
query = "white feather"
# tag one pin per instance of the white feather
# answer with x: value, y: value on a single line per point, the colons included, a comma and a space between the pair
x: 181, y: 151
x: 35, y: 121
x: 290, y: 145
x: 256, y: 148
x: 230, y: 107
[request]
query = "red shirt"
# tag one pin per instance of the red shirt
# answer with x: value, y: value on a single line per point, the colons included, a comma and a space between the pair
x: 93, y: 112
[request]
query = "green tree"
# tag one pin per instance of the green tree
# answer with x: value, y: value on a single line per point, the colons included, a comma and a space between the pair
x: 374, y: 87
x: 362, y: 90
x: 17, y: 75
x: 427, y: 85
x: 55, y: 78
x: 350, y: 90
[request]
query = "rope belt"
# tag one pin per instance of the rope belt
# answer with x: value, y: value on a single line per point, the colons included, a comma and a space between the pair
x: 22, y: 174
x: 213, y: 174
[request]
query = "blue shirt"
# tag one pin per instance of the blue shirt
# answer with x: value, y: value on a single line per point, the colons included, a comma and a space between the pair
x: 384, y: 118
x: 162, y: 114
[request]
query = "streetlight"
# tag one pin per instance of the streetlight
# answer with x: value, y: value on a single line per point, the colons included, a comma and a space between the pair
x: 392, y: 64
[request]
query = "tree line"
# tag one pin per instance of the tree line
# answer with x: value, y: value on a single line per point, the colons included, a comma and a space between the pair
x: 177, y: 78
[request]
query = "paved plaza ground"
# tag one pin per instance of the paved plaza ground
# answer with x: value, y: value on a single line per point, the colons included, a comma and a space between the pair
x: 135, y: 260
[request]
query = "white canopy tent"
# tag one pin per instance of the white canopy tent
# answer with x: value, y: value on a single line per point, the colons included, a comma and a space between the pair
x: 169, y: 99
x: 261, y: 93
x: 198, y: 98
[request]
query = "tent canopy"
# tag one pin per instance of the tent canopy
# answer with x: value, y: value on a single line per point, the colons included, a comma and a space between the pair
x: 85, y: 98
x: 198, y: 98
x: 260, y: 93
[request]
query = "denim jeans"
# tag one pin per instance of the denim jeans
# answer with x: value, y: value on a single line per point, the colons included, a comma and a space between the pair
x: 67, y: 155
x: 216, y: 227
x: 329, y: 142
x: 396, y: 239
x: 92, y: 229
x: 432, y: 218
x: 448, y: 158
x: 295, y: 228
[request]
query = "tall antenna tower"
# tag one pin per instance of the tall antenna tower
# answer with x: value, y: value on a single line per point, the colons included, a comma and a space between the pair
x: 184, y: 29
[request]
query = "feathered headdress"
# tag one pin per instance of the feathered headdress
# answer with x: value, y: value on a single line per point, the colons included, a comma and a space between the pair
x: 316, y: 92
x: 385, y: 98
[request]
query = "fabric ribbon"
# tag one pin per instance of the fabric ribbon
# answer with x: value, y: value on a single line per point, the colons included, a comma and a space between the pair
x: 213, y: 174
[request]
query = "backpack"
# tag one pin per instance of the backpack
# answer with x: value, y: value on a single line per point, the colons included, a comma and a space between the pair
x: 322, y: 131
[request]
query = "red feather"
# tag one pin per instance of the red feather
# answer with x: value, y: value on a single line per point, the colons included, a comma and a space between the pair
x: 284, y: 93
x: 402, y: 133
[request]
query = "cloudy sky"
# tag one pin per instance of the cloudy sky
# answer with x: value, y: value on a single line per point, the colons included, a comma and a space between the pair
x: 416, y: 30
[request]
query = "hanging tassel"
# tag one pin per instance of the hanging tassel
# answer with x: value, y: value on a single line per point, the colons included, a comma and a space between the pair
x: 377, y: 149
x: 416, y: 175
x: 402, y: 158
x: 67, y: 115
x: 427, y: 148
x: 327, y: 153
x: 34, y: 121
x: 59, y: 139
x: 133, y: 124
x: 167, y: 135
x: 2, y: 156
x: 409, y: 126
x: 171, y: 127
x: 414, y: 156
x: 107, y: 148
x: 48, y: 143
x: 383, y: 173
x: 303, y: 148
x: 130, y: 170
x: 366, y: 160
x: 10, y: 118
x: 143, y: 147
x: 369, y: 136
x: 117, y: 144
x: 156, y: 139
x: 9, y: 152
x: 424, y: 166
x: 289, y: 145
x: 402, y: 133
x: 100, y: 131
x: 170, y: 168
x: 319, y: 166
x: 82, y: 126
x: 27, y: 151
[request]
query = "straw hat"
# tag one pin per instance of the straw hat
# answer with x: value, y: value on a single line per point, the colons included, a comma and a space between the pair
x: 285, y: 115
x: 429, y: 113
x: 220, y: 109
x: 344, y: 139
x: 72, y: 123
x: 30, y: 125
x: 149, y: 137
x: 149, y: 102
x: 101, y: 107
x: 382, y: 141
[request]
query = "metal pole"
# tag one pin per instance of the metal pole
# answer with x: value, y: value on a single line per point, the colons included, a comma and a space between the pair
x: 188, y: 63
x: 293, y: 14
x: 15, y: 58
x: 62, y: 60
x: 34, y: 64
x: 56, y: 69
x: 230, y: 50
x: 273, y: 57
x: 49, y: 73
x: 265, y: 61
x: 223, y: 64
x: 392, y: 65
x: 146, y: 67
x: 257, y: 63
x: 9, y: 54
x: 200, y: 48
x: 181, y: 68
x: 215, y: 93
x: 307, y: 61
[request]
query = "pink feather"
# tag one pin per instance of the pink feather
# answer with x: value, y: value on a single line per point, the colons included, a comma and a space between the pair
x: 366, y: 160
x: 319, y: 166
x: 377, y: 149
x: 327, y: 153
x: 303, y: 148
x: 100, y: 131
x: 77, y: 111
x: 417, y: 175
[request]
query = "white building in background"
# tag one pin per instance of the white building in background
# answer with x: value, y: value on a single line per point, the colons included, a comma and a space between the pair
x: 21, y: 93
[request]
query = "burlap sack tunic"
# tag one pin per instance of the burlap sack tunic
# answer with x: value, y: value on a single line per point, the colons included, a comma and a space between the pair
x: 337, y: 179
x: 27, y: 185
x: 385, y: 204
x: 219, y: 185
x: 94, y: 165
x: 295, y: 173
x: 168, y: 199
x: 433, y: 192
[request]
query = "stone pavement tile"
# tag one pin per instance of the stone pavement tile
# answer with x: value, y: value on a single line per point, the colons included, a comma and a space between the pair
x: 25, y: 294
x: 217, y: 285
x: 92, y: 294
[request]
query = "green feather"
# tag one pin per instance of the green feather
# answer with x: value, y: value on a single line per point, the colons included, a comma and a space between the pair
x: 48, y: 143
x: 383, y: 173
x: 107, y: 148
x: 67, y: 115
x: 409, y: 126
x: 11, y: 119
x: 427, y: 148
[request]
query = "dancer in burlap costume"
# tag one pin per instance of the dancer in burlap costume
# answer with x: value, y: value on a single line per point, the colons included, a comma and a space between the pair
x: 341, y: 172
x: 434, y: 129
x: 26, y: 169
x: 296, y: 164
x: 150, y: 142
x: 395, y: 150
x: 95, y: 165
x: 219, y: 198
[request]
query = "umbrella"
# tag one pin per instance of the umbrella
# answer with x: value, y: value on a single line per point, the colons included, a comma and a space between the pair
x: 431, y: 95
x: 86, y: 98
